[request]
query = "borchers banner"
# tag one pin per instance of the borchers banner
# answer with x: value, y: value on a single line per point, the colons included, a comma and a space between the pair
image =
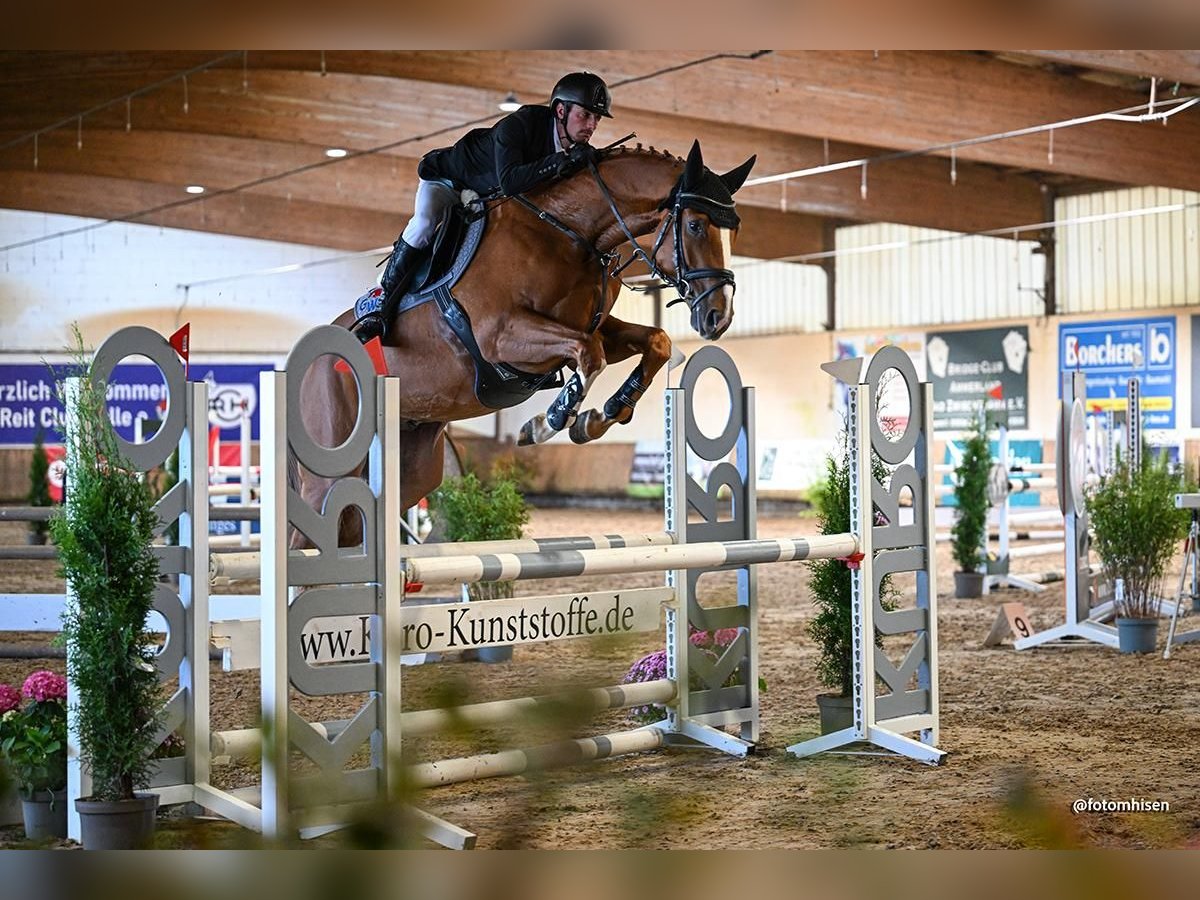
x: 985, y: 367
x: 1110, y: 352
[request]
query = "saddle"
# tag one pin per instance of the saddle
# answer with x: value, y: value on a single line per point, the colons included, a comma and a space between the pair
x: 497, y: 385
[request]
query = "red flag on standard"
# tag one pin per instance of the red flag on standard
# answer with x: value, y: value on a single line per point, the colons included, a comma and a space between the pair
x: 374, y: 348
x: 181, y: 342
x: 997, y: 393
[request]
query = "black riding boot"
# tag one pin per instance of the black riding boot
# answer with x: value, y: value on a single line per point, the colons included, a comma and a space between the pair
x: 399, y: 272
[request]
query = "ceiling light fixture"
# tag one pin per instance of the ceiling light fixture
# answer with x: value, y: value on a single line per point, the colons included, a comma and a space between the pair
x: 510, y: 103
x: 336, y: 152
x: 195, y: 189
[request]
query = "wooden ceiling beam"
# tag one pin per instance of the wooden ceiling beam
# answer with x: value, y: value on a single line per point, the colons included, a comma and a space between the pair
x: 244, y: 214
x: 907, y: 100
x: 281, y: 110
x: 764, y: 234
x: 1182, y: 66
x: 384, y: 183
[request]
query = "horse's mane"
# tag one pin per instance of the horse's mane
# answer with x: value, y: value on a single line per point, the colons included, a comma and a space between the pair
x: 575, y: 193
x: 641, y: 151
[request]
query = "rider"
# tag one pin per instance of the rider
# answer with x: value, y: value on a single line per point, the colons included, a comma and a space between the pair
x: 518, y: 152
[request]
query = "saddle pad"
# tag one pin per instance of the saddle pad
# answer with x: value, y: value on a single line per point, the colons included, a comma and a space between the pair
x: 370, y: 302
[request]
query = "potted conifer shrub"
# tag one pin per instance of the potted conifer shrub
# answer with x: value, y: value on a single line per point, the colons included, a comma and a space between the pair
x: 830, y: 585
x: 471, y: 510
x: 104, y: 534
x: 39, y: 489
x: 970, y: 521
x: 1136, y: 529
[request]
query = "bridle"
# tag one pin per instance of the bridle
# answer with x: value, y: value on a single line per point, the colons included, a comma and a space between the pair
x: 684, y: 275
x: 612, y: 266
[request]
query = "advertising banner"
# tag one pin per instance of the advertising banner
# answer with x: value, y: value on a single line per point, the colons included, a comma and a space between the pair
x: 28, y: 400
x: 981, y: 367
x: 1110, y: 352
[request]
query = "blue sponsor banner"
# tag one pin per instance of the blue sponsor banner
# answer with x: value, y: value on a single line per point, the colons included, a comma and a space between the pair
x: 1021, y: 453
x: 1109, y: 353
x: 28, y: 401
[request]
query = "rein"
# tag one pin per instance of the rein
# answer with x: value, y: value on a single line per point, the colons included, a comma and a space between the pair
x: 612, y: 267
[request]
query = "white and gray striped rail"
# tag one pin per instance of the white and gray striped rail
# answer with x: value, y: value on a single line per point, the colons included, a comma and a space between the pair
x: 625, y: 560
x: 245, y: 566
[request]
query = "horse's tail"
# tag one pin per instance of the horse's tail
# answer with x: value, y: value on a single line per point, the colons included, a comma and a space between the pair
x: 293, y: 480
x: 293, y: 471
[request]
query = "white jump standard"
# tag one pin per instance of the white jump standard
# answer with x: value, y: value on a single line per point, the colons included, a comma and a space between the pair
x: 888, y: 547
x: 1191, y: 561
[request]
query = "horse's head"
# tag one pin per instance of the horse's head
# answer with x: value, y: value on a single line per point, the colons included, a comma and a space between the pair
x: 690, y: 247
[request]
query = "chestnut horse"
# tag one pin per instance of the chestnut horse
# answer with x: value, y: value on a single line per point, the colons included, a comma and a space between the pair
x: 538, y: 296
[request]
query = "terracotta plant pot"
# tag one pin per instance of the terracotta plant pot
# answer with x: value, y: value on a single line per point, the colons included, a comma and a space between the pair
x: 117, y: 824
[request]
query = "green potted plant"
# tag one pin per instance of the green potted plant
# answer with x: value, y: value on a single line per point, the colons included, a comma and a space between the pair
x: 104, y: 534
x: 39, y: 488
x: 1136, y: 530
x: 830, y: 583
x: 33, y: 744
x: 470, y: 510
x: 971, y: 517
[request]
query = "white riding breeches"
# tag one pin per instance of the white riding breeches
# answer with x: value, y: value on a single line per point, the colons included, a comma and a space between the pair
x: 433, y: 198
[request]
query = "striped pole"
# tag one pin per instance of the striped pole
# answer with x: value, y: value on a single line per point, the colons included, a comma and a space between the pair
x: 244, y: 566
x: 245, y: 743
x: 547, y: 756
x: 628, y: 560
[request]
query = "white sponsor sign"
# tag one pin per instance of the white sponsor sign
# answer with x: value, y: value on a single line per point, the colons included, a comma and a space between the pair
x: 430, y: 628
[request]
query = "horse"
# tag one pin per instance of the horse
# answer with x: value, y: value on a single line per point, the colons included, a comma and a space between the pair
x: 536, y: 297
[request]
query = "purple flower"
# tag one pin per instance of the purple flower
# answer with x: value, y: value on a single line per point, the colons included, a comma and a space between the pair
x: 42, y: 686
x: 10, y: 698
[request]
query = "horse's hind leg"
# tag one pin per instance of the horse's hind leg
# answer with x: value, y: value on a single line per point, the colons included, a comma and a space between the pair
x: 621, y: 341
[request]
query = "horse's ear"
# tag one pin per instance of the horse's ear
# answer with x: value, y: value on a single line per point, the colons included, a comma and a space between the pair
x: 735, y: 178
x: 694, y: 170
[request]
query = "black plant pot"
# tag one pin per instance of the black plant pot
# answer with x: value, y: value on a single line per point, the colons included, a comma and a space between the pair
x: 117, y: 824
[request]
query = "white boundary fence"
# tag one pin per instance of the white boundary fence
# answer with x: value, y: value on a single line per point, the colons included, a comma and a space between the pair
x: 296, y: 588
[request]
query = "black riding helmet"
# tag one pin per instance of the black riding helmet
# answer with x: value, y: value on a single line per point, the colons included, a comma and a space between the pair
x: 586, y: 89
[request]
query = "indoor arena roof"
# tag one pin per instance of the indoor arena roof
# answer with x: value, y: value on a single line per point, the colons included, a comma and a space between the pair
x: 119, y: 134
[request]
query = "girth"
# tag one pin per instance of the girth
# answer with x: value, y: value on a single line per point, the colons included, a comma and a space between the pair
x: 497, y: 385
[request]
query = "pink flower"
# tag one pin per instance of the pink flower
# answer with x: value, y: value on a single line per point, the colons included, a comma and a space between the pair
x: 723, y: 637
x: 10, y: 698
x: 42, y: 686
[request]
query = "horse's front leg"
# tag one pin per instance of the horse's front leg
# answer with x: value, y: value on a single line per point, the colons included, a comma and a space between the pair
x: 530, y: 341
x: 621, y: 341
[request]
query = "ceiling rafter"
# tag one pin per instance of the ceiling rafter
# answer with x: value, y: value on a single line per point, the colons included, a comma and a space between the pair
x: 793, y: 109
